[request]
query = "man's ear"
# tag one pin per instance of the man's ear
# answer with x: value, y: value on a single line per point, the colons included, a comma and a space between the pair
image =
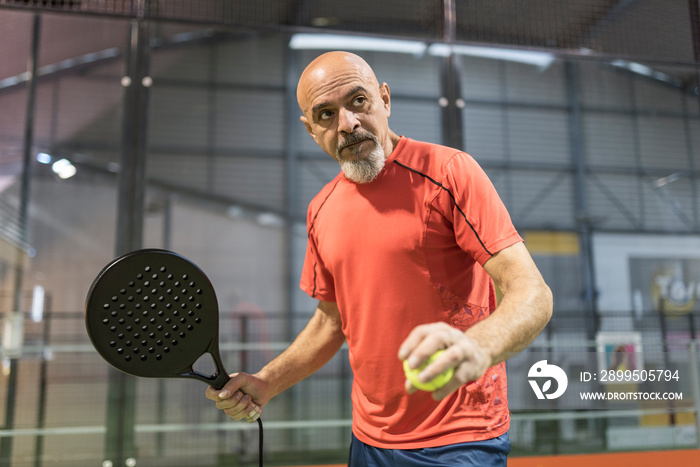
x: 385, y: 94
x: 306, y: 123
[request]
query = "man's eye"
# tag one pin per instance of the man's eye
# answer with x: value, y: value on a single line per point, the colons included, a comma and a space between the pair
x: 325, y: 115
x: 359, y: 100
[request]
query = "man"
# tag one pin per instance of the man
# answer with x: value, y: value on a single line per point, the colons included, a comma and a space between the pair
x: 404, y: 247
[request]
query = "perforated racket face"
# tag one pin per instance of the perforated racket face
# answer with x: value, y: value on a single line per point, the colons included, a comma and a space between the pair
x: 153, y: 313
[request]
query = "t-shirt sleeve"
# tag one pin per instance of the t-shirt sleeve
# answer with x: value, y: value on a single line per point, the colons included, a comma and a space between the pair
x: 316, y: 280
x: 481, y: 222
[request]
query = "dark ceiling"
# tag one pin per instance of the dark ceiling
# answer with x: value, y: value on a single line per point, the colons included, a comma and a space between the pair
x: 644, y: 29
x: 663, y: 35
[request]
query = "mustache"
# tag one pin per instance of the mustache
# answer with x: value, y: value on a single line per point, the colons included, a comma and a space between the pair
x: 356, y: 137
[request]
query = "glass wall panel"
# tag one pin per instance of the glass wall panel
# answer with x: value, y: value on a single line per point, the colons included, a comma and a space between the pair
x: 584, y: 129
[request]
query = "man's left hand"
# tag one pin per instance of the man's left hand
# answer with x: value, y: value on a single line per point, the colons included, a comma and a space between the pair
x: 462, y: 353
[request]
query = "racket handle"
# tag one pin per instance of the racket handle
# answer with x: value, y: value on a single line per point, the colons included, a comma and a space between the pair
x: 220, y: 380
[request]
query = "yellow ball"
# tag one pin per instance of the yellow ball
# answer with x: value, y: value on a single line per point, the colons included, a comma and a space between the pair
x: 435, y: 383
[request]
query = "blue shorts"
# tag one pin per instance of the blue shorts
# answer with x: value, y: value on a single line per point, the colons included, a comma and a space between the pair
x: 488, y: 453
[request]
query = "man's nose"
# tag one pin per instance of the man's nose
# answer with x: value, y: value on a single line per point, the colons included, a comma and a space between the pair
x: 347, y: 121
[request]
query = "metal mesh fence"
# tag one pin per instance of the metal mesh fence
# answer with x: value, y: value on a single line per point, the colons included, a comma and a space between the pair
x: 654, y: 29
x: 62, y: 410
x: 597, y: 130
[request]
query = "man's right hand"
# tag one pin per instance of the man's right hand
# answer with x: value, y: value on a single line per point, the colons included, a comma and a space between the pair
x: 239, y: 398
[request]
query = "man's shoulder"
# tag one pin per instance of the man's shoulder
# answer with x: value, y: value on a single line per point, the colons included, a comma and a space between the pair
x: 427, y: 158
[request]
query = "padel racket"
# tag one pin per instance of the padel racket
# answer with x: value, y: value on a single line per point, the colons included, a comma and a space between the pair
x: 154, y: 313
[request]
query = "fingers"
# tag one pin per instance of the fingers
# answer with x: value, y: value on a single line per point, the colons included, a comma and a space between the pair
x: 413, y: 339
x: 234, y: 402
x: 233, y: 385
x: 409, y: 387
x: 240, y: 406
x: 425, y: 340
x: 461, y: 353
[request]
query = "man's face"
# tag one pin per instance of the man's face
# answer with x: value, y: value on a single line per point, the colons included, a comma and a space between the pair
x: 346, y: 112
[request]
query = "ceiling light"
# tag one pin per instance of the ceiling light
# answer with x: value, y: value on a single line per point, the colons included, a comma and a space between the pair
x: 376, y: 44
x: 63, y: 168
x: 338, y: 42
x: 43, y: 158
x: 647, y: 71
x: 663, y: 181
x: 529, y: 57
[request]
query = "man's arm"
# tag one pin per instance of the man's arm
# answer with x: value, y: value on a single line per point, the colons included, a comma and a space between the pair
x: 314, y: 347
x: 244, y: 395
x: 525, y: 309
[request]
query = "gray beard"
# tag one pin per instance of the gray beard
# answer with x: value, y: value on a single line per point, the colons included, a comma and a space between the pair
x: 364, y: 170
x: 367, y: 169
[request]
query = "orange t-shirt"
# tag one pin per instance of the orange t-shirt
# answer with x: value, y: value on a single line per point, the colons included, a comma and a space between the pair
x: 403, y: 250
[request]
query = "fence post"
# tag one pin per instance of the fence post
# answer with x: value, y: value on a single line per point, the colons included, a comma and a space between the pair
x: 695, y: 382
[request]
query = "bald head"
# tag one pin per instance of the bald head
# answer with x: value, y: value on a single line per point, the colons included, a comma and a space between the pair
x: 327, y: 69
x: 346, y: 111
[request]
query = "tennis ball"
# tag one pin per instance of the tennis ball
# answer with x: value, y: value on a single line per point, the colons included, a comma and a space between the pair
x: 435, y: 383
